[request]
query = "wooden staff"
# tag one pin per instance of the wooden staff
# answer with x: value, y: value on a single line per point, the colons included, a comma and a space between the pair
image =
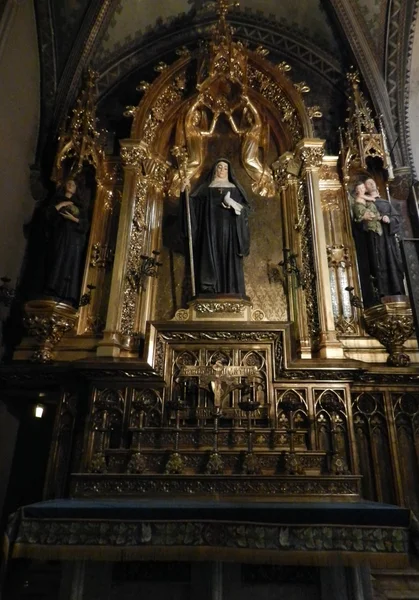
x: 190, y: 241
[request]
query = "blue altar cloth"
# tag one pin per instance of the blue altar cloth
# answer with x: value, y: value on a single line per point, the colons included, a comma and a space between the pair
x: 211, y: 529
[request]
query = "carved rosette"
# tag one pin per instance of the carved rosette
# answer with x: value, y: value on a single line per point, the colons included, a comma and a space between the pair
x: 48, y: 321
x: 391, y: 324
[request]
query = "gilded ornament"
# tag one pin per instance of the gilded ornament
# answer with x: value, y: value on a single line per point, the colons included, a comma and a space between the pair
x: 272, y: 91
x: 183, y: 51
x: 143, y: 86
x: 173, y: 93
x: 182, y: 314
x: 258, y: 315
x: 293, y: 464
x: 346, y: 326
x: 133, y: 156
x: 220, y: 307
x: 98, y: 464
x: 160, y: 67
x: 215, y: 465
x: 175, y: 465
x: 136, y: 249
x: 314, y: 112
x: 262, y: 51
x: 347, y: 487
x: 338, y: 256
x: 48, y: 321
x: 330, y: 200
x: 130, y: 111
x: 283, y: 67
x: 312, y: 156
x: 302, y: 87
x: 95, y: 254
x: 391, y: 324
x: 80, y: 141
x: 137, y: 464
x: 338, y: 465
x: 263, y: 183
x: 251, y: 465
x: 308, y: 273
x: 328, y: 173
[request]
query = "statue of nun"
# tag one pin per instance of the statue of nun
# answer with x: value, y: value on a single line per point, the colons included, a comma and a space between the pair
x: 220, y: 232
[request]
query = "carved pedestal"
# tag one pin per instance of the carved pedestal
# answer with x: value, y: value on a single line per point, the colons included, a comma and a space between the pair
x: 219, y: 308
x: 391, y: 323
x: 48, y: 321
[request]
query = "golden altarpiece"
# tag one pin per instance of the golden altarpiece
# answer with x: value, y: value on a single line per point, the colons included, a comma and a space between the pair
x: 282, y: 394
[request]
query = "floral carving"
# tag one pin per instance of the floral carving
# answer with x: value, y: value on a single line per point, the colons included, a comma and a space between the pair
x: 215, y: 465
x: 312, y: 156
x: 48, y: 321
x: 133, y: 156
x: 137, y: 464
x: 391, y: 324
x: 175, y: 465
x: 220, y: 307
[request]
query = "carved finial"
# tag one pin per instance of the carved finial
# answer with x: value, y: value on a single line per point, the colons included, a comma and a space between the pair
x: 283, y: 67
x: 160, y: 67
x: 314, y: 112
x: 302, y: 87
x: 130, y: 111
x: 183, y: 51
x: 353, y: 77
x: 262, y: 51
x: 80, y: 140
x: 223, y: 7
x: 143, y: 86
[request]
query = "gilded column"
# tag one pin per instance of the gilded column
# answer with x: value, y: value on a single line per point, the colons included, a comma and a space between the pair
x: 155, y: 172
x: 132, y: 205
x: 288, y: 185
x: 100, y: 250
x: 311, y: 152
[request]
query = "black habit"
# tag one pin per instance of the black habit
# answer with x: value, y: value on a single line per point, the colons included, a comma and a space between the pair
x: 389, y: 266
x: 220, y: 237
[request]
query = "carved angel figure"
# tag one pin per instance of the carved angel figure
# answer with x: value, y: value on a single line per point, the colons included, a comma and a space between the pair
x: 263, y: 182
x: 194, y: 137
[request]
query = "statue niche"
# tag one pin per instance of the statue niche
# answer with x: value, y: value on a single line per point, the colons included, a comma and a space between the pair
x: 221, y: 121
x: 222, y: 101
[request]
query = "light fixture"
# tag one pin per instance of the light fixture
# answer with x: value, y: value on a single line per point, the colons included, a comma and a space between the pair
x: 39, y: 411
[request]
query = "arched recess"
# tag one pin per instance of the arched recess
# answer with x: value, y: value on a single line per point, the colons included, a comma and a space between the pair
x: 231, y: 71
